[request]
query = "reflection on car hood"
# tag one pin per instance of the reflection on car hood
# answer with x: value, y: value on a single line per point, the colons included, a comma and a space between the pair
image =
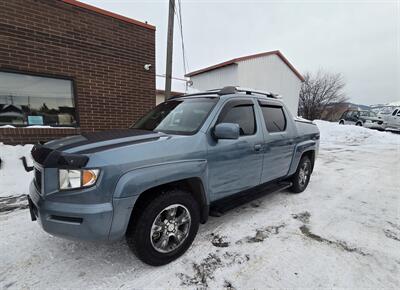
x: 98, y: 141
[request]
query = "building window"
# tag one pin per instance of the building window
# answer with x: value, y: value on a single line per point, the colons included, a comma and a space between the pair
x: 27, y: 100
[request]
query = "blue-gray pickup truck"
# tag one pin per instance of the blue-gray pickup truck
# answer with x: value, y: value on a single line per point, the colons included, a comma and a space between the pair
x: 154, y: 183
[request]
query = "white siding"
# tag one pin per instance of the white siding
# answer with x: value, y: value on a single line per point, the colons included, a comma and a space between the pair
x: 270, y: 73
x: 217, y: 78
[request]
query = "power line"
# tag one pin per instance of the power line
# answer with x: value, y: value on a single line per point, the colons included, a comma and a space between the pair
x: 180, y: 23
x: 174, y: 78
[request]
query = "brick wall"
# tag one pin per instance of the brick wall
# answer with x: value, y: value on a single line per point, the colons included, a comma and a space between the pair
x: 103, y: 55
x: 33, y: 135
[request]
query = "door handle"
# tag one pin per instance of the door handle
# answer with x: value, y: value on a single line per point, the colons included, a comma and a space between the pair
x: 257, y: 147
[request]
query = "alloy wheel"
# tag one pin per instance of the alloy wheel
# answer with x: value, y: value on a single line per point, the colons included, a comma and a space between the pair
x: 303, y: 174
x: 170, y: 228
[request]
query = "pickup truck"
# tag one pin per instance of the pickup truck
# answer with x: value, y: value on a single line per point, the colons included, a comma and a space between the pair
x: 154, y: 183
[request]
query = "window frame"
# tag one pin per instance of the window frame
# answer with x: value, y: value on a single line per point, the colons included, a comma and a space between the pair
x: 270, y: 105
x: 237, y: 103
x: 51, y: 76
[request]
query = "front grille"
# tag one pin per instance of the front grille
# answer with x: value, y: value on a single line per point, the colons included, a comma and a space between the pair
x: 38, y: 179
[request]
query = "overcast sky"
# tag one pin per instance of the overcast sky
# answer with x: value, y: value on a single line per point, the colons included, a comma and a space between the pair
x: 360, y: 39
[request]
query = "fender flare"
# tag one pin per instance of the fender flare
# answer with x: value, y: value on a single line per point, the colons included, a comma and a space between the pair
x: 139, y: 180
x: 300, y: 149
x: 133, y: 183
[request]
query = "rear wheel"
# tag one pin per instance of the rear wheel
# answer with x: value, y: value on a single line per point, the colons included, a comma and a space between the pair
x: 359, y: 124
x: 302, y: 176
x: 165, y: 228
x: 341, y: 122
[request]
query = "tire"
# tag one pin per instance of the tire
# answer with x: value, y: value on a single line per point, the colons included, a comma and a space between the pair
x: 359, y: 124
x: 147, y: 243
x: 299, y: 183
x: 341, y: 122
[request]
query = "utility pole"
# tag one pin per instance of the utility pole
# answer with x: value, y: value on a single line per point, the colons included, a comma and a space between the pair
x: 170, y: 40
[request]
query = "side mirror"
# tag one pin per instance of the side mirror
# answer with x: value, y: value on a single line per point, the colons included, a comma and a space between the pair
x: 227, y: 131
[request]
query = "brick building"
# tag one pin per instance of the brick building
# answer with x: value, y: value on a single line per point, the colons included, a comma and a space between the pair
x: 67, y: 67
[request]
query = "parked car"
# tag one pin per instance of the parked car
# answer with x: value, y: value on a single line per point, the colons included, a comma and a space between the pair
x: 155, y: 182
x: 391, y: 120
x: 366, y: 119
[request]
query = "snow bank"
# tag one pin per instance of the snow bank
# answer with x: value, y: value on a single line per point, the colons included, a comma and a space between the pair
x: 333, y: 133
x: 14, y: 180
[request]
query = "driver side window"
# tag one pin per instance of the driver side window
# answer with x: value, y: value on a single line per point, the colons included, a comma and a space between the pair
x: 243, y: 115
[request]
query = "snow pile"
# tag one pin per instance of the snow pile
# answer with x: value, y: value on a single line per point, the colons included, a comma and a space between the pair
x: 350, y: 135
x: 14, y: 180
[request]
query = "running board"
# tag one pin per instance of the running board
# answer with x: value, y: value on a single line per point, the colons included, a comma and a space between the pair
x: 220, y: 207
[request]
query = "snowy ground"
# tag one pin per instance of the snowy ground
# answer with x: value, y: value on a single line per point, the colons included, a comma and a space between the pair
x: 14, y: 180
x: 342, y: 232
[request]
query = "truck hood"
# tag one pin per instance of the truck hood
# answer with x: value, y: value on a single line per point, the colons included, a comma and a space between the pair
x: 97, y: 141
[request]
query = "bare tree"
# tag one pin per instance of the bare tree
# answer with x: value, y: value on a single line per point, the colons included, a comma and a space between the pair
x: 318, y: 91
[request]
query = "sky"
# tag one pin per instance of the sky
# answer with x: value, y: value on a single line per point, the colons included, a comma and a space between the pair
x: 359, y: 39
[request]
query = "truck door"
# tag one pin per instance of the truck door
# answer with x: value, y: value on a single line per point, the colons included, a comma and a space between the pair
x: 235, y: 165
x: 279, y: 140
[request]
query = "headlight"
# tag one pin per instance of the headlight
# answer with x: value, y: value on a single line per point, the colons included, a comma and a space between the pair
x: 69, y: 179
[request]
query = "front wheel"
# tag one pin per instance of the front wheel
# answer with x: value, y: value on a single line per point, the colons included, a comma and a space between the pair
x: 359, y: 124
x: 165, y: 228
x: 302, y: 176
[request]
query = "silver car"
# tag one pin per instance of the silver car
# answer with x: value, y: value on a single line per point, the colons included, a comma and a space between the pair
x: 391, y: 120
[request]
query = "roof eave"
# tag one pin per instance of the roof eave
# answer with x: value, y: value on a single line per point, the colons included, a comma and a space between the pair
x: 108, y: 13
x: 236, y: 60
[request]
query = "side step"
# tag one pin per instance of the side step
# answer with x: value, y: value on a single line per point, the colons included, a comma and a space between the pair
x: 220, y: 207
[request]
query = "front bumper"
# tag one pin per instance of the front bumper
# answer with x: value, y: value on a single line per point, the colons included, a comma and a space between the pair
x: 105, y: 221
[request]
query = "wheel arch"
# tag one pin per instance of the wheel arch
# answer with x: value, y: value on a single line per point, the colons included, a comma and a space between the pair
x: 137, y: 186
x: 311, y: 155
x: 307, y: 148
x: 194, y: 185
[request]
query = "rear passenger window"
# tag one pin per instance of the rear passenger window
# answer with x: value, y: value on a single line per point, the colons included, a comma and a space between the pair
x: 242, y: 115
x: 394, y: 113
x: 274, y: 118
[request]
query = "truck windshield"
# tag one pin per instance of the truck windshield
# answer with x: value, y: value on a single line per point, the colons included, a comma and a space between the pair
x: 183, y: 116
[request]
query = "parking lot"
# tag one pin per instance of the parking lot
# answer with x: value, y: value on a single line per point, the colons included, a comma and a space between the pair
x: 343, y: 231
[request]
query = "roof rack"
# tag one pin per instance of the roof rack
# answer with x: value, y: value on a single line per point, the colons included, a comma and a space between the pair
x: 232, y: 90
x: 247, y: 91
